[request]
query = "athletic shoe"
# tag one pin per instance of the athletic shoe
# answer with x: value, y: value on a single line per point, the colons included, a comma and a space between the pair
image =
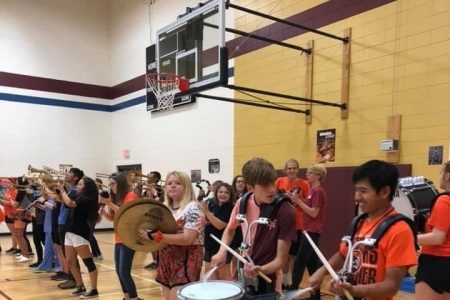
x: 91, y: 294
x: 68, y: 284
x: 35, y: 264
x: 37, y: 270
x: 151, y: 265
x: 17, y: 251
x: 10, y: 250
x: 18, y: 256
x: 58, y: 276
x: 80, y: 290
x: 24, y: 259
x: 98, y: 257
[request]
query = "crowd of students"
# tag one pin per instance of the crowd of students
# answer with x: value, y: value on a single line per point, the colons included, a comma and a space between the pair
x: 264, y: 217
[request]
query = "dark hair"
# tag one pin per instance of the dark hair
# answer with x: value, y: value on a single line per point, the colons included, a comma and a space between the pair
x: 259, y: 171
x: 379, y: 174
x: 21, y: 193
x: 90, y: 191
x: 77, y: 172
x: 236, y: 192
x: 123, y: 187
x: 230, y: 190
x: 156, y: 174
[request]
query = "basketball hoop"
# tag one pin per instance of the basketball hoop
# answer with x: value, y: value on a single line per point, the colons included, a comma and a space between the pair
x: 164, y: 86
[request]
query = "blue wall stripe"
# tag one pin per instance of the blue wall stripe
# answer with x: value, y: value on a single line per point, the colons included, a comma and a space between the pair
x: 79, y: 105
x: 54, y: 102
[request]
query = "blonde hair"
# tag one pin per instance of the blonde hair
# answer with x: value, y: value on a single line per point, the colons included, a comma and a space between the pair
x: 318, y: 169
x: 185, y: 181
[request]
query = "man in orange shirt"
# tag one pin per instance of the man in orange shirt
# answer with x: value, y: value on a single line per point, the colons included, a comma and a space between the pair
x: 296, y: 189
x: 377, y: 271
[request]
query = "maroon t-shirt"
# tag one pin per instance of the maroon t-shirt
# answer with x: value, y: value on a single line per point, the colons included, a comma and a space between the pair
x: 281, y: 227
x: 317, y: 198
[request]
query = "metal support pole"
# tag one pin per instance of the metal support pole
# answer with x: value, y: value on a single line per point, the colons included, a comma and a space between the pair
x: 242, y: 88
x: 239, y: 101
x: 228, y: 4
x: 261, y: 38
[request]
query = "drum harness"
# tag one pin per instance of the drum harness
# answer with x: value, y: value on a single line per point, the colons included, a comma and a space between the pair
x: 256, y: 286
x: 346, y: 273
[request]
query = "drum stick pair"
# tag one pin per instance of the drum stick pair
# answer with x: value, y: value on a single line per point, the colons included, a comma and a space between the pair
x: 243, y: 260
x: 326, y: 264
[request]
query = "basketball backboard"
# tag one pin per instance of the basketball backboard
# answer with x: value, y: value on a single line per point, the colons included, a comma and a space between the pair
x: 193, y: 47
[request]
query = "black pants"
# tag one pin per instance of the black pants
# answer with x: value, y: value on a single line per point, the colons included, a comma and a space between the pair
x: 38, y: 238
x: 306, y: 259
x: 93, y: 242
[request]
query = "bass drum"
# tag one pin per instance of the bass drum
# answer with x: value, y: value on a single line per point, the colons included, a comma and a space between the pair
x: 413, y: 199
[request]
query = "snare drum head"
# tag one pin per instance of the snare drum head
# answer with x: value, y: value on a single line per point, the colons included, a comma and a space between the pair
x: 211, y: 290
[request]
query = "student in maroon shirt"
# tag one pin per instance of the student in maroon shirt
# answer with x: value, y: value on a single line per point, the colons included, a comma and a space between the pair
x: 269, y: 244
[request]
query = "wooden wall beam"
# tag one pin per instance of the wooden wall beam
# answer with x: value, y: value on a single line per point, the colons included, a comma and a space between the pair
x: 345, y: 89
x: 309, y: 80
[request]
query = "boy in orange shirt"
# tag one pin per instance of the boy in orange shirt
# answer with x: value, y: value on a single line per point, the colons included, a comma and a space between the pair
x: 377, y: 271
x: 296, y: 189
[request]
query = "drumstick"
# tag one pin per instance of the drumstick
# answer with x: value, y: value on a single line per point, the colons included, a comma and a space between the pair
x: 235, y: 254
x: 326, y: 264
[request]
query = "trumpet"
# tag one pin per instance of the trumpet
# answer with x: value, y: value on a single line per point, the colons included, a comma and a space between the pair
x: 136, y: 176
x: 35, y: 170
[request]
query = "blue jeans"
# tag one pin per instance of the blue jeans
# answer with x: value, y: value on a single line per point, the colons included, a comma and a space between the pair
x: 49, y: 254
x: 123, y: 258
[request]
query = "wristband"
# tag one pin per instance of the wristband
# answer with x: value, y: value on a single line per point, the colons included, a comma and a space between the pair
x: 159, y: 236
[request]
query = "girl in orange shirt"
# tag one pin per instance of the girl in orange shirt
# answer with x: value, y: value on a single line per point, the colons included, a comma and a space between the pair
x: 123, y: 256
x: 433, y: 272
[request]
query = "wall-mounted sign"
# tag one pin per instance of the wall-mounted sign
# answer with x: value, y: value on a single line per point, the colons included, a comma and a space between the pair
x: 326, y: 143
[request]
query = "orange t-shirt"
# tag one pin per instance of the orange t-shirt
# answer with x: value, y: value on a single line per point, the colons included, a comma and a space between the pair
x: 283, y: 184
x: 395, y: 249
x: 128, y: 198
x: 440, y: 219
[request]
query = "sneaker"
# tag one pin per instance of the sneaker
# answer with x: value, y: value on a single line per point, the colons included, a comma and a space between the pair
x: 37, y: 270
x: 35, y: 264
x: 68, y: 284
x: 98, y: 257
x: 58, y: 276
x: 91, y: 294
x: 151, y: 265
x: 24, y: 259
x: 80, y: 290
x: 17, y: 251
x: 10, y: 250
x: 18, y: 256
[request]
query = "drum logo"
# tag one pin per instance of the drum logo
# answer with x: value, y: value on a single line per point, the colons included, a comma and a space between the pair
x: 154, y: 214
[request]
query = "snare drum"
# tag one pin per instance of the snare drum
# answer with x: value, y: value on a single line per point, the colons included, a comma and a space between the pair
x: 211, y: 290
x: 413, y: 199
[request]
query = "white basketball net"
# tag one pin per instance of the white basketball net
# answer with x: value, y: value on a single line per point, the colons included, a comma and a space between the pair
x: 164, y: 86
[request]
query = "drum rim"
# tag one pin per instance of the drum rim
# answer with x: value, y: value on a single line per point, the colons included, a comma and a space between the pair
x: 240, y: 295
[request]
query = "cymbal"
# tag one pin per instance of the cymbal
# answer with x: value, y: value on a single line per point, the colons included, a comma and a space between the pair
x: 145, y: 213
